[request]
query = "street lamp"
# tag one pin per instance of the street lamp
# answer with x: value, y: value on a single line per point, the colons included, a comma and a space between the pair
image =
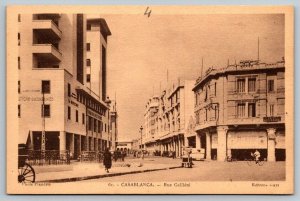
x: 141, y: 131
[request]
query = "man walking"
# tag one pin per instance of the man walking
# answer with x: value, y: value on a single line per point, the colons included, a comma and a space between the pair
x: 107, y: 160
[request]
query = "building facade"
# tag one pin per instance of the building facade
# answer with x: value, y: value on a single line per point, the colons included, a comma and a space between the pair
x: 124, y: 146
x: 240, y: 109
x: 167, y: 117
x: 62, y: 82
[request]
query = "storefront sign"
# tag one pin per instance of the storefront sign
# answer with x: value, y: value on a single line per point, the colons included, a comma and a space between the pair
x: 28, y: 98
x: 73, y: 103
x: 93, y: 114
x: 272, y: 119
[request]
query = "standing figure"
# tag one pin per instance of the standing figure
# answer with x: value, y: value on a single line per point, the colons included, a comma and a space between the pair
x: 123, y: 155
x: 256, y: 155
x: 115, y: 156
x: 107, y: 160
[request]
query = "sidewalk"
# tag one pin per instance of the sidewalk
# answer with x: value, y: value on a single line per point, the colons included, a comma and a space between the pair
x: 78, y: 171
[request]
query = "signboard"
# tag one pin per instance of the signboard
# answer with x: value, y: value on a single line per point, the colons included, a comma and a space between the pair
x: 271, y: 119
x: 93, y: 114
x: 28, y: 98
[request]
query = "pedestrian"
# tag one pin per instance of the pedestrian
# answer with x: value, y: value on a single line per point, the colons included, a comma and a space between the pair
x: 107, y: 160
x: 116, y: 156
x: 142, y: 155
x: 174, y: 154
x: 123, y: 155
x: 257, y: 156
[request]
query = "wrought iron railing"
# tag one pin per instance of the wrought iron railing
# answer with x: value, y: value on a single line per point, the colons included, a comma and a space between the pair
x: 48, y: 157
x: 91, y: 156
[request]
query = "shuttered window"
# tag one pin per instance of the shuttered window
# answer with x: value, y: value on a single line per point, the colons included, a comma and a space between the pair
x: 240, y: 85
x: 241, y: 109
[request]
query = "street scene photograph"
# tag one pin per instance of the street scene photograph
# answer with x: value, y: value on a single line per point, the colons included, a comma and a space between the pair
x: 151, y: 99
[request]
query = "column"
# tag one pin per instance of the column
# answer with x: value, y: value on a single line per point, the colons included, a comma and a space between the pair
x: 198, y: 141
x: 173, y: 145
x: 229, y: 153
x: 80, y: 148
x: 179, y: 146
x: 95, y: 144
x: 62, y: 141
x: 186, y: 142
x: 222, y: 143
x: 271, y: 132
x: 72, y: 145
x: 87, y: 145
x: 208, y: 146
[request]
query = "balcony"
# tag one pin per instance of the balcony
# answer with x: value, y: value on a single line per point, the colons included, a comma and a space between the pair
x: 46, y: 52
x: 256, y: 120
x: 46, y: 29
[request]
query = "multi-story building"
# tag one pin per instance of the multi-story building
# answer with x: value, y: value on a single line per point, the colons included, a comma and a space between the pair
x: 240, y: 108
x: 167, y: 118
x: 136, y: 143
x: 62, y: 82
x: 150, y: 133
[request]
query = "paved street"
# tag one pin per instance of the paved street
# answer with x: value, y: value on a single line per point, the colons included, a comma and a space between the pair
x: 208, y: 171
x: 86, y: 170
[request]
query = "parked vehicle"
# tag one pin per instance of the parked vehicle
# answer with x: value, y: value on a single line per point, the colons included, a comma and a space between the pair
x: 26, y: 171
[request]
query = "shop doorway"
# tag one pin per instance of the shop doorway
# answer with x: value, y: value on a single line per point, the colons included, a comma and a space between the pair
x: 280, y: 154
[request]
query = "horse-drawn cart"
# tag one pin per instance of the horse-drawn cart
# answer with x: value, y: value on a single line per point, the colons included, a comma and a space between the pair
x: 26, y: 172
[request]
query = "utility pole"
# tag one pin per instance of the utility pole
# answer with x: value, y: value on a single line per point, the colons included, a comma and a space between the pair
x: 141, y: 131
x: 43, y: 145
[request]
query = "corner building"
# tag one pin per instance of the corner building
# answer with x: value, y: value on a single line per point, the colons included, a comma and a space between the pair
x: 240, y: 108
x: 62, y: 82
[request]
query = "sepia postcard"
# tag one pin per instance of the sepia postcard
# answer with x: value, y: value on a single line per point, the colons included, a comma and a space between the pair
x: 150, y: 99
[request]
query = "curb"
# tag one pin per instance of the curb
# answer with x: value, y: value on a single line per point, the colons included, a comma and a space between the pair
x: 73, y: 179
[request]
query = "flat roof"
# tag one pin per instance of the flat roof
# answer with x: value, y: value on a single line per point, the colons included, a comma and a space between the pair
x: 102, y: 23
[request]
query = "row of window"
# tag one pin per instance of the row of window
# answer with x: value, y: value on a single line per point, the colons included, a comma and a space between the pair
x: 251, y: 112
x: 93, y: 124
x: 45, y: 87
x: 45, y: 110
x: 85, y: 101
x: 242, y: 110
x: 241, y: 84
x: 251, y: 83
x: 205, y: 92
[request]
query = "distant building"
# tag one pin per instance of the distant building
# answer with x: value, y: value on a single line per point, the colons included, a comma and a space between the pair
x: 240, y: 108
x: 62, y: 82
x: 166, y: 118
x: 124, y: 146
x: 136, y: 144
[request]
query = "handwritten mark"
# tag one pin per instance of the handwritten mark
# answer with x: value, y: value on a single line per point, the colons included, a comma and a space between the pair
x: 148, y: 11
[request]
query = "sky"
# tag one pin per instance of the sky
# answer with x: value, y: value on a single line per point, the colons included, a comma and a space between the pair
x: 141, y: 50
